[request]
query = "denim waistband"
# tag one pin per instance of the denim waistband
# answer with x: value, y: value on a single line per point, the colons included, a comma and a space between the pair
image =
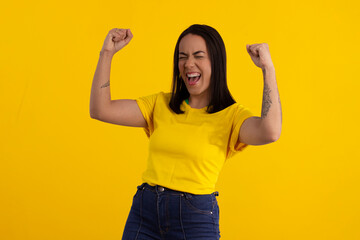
x: 158, y: 188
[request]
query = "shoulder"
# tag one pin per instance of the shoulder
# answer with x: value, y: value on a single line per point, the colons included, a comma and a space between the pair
x: 166, y: 95
x: 162, y: 94
x: 232, y: 109
x: 241, y: 112
x: 238, y: 111
x: 153, y: 96
x: 238, y: 107
x: 161, y: 97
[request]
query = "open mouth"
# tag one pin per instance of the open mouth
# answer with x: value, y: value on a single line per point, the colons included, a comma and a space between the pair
x: 193, y: 80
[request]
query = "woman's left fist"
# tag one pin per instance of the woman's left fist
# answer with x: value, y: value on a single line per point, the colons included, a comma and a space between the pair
x: 260, y: 55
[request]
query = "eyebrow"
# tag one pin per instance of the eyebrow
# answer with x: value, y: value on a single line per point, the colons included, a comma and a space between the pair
x: 193, y: 53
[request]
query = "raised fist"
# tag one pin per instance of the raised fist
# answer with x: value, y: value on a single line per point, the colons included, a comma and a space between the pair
x: 116, y: 39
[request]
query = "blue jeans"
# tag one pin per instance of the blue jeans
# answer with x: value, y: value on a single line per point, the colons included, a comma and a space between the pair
x: 164, y: 214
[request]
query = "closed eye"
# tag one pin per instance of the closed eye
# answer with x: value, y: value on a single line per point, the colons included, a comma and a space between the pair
x: 196, y: 57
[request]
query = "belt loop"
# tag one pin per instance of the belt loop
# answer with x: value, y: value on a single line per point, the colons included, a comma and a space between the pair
x: 142, y: 186
x: 156, y: 188
x: 187, y: 195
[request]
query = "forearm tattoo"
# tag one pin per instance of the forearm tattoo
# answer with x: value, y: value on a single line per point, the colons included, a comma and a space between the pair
x: 106, y: 84
x: 266, y: 100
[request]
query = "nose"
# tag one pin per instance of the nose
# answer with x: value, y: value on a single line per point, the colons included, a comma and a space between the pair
x: 189, y: 62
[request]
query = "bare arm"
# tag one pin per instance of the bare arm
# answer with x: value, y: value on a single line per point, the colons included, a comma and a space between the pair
x: 267, y: 129
x: 100, y: 90
x: 124, y: 112
x: 271, y: 113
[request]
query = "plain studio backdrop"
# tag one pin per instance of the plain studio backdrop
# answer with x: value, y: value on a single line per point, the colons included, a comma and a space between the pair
x: 65, y: 176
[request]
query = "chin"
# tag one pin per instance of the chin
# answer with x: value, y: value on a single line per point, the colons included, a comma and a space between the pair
x: 195, y: 92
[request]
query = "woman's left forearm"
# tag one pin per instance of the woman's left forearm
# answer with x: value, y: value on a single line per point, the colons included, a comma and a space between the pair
x: 271, y: 113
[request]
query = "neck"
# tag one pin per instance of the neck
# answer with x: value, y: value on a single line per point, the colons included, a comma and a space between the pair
x: 198, y: 101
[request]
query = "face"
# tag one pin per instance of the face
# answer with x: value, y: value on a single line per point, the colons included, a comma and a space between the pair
x: 194, y: 58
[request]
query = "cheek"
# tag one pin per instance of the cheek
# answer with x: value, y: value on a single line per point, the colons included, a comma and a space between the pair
x: 208, y: 80
x: 208, y: 76
x: 207, y: 68
x: 208, y: 73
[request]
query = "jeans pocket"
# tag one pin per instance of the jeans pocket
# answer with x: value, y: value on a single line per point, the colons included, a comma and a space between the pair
x: 200, y: 203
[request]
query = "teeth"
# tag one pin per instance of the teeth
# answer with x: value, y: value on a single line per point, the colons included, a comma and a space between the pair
x: 193, y: 75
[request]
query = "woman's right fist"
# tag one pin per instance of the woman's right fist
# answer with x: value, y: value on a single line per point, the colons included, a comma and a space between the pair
x: 116, y: 39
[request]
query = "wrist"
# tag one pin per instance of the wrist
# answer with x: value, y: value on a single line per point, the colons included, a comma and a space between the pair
x: 106, y: 53
x: 268, y: 69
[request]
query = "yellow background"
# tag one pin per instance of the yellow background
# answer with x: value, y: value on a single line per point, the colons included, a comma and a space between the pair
x: 66, y: 176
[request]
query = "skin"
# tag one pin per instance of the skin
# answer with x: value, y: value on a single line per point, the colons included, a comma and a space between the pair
x: 267, y: 128
x: 254, y: 131
x: 199, y: 62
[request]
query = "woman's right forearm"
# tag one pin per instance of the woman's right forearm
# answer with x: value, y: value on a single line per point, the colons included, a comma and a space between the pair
x: 100, y: 90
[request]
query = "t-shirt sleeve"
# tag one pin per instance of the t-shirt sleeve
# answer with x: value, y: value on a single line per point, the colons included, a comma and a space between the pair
x: 240, y: 115
x: 147, y: 105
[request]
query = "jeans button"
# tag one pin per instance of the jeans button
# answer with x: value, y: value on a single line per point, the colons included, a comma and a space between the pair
x: 161, y: 189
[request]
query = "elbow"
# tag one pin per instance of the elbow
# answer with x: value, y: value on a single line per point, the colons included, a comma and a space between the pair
x: 274, y: 137
x: 270, y: 132
x: 271, y: 136
x: 93, y: 114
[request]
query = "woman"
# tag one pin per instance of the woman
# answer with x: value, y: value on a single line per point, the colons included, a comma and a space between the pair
x: 193, y: 130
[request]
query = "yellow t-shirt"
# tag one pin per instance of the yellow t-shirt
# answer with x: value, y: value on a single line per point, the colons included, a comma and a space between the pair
x: 187, y: 151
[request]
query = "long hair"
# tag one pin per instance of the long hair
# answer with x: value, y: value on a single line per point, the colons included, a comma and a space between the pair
x: 220, y: 97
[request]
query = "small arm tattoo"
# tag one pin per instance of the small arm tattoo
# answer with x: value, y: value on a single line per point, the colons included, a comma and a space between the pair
x: 266, y: 100
x: 106, y: 84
